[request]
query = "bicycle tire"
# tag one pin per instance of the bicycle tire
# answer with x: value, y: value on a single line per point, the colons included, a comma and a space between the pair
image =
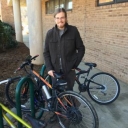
x: 110, y: 91
x: 10, y: 91
x: 79, y: 112
x: 25, y: 99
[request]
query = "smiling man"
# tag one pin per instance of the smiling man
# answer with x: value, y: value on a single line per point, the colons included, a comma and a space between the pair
x: 64, y: 48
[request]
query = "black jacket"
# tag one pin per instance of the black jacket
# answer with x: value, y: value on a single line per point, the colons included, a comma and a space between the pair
x: 69, y: 47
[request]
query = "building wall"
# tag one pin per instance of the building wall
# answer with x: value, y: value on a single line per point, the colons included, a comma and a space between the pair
x: 106, y: 37
x: 104, y: 31
x: 7, y: 13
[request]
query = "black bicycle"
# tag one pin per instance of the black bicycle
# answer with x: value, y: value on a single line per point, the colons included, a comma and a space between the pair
x: 72, y: 109
x: 102, y: 87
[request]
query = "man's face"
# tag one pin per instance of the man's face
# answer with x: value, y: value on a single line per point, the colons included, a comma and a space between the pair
x: 60, y: 20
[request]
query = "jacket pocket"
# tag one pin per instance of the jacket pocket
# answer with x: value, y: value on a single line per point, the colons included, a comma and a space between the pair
x: 69, y: 40
x: 69, y: 45
x: 53, y: 44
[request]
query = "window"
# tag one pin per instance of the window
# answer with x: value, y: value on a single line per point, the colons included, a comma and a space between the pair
x: 56, y: 4
x: 62, y: 3
x: 105, y: 2
x: 47, y: 6
x: 68, y: 4
x: 51, y: 5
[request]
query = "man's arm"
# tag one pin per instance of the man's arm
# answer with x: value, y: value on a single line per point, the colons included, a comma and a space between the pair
x: 46, y: 54
x: 80, y: 48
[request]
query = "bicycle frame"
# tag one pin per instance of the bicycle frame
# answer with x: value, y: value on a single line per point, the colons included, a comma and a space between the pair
x: 9, y: 79
x: 82, y: 72
x: 4, y: 81
x: 46, y: 83
x: 46, y: 91
x: 2, y: 114
x: 87, y: 80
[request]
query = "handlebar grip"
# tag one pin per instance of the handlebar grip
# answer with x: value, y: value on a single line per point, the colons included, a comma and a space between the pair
x: 34, y: 57
x: 25, y: 63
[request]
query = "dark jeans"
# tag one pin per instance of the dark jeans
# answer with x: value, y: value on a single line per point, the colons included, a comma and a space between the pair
x: 70, y: 79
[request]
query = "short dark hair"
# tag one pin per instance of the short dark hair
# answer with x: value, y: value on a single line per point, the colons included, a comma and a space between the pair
x: 58, y: 10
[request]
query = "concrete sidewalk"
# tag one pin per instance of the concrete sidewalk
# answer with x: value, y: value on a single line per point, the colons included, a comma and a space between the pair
x: 114, y: 115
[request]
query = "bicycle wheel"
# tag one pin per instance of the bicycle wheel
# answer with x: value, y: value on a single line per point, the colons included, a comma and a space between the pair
x: 76, y: 111
x: 103, y: 88
x: 25, y: 97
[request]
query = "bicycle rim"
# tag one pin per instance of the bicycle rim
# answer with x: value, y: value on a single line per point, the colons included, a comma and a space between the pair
x: 108, y: 92
x: 78, y: 112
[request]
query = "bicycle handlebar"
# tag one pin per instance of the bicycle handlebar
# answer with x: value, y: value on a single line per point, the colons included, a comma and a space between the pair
x: 33, y: 58
x: 27, y: 62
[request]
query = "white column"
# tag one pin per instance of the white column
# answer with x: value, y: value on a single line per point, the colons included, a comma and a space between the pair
x: 34, y: 11
x: 17, y: 20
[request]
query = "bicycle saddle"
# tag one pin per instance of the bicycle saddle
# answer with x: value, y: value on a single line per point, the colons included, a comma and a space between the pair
x: 91, y: 64
x: 60, y: 84
x: 34, y: 122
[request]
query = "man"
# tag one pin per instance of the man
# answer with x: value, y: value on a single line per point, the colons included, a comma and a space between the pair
x: 64, y: 48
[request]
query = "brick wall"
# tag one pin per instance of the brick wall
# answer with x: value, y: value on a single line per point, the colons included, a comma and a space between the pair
x: 104, y: 30
x: 106, y: 37
x: 7, y: 13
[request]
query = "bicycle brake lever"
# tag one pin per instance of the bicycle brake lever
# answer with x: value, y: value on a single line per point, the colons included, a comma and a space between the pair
x: 17, y: 70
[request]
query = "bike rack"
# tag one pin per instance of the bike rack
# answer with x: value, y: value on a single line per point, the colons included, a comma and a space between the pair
x: 42, y: 70
x: 18, y: 101
x: 2, y: 107
x: 1, y: 118
x: 42, y: 73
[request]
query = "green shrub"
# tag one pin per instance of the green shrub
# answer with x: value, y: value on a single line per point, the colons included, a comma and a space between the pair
x: 7, y: 36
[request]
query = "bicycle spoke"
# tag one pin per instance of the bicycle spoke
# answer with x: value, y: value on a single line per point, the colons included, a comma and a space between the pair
x: 108, y: 92
x: 79, y: 114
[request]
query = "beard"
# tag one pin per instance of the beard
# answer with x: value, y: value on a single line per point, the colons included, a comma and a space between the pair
x: 61, y: 25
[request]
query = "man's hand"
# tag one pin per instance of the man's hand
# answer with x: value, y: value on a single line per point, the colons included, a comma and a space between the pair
x: 51, y: 73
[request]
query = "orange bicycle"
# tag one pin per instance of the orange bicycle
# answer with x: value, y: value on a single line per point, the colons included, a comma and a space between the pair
x: 72, y: 109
